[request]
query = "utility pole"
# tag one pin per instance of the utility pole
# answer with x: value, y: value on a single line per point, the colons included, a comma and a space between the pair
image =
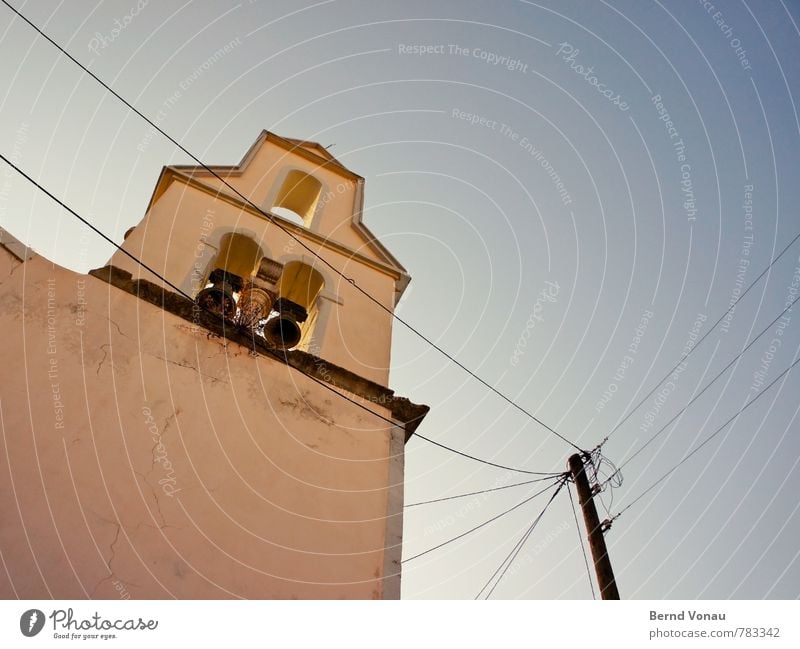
x: 597, y: 542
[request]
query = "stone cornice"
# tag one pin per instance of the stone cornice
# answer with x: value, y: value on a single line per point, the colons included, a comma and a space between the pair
x: 407, y: 414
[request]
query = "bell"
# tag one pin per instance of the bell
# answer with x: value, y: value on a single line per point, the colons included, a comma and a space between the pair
x: 255, y: 305
x: 283, y: 331
x: 218, y: 298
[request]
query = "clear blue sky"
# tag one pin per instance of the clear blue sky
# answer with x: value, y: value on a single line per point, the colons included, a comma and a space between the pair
x: 656, y: 118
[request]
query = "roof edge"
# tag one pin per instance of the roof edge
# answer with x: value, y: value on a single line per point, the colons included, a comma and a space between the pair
x: 409, y: 415
x: 20, y: 250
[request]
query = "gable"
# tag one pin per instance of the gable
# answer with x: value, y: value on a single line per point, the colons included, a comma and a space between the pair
x: 272, y: 174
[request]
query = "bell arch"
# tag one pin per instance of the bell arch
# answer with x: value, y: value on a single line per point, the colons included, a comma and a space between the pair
x: 297, y: 197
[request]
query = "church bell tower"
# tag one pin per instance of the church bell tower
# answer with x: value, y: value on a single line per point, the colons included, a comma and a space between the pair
x: 225, y: 427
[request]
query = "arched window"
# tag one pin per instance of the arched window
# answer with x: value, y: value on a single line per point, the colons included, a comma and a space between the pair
x: 296, y: 307
x: 297, y: 197
x: 229, y: 273
x: 238, y: 254
x: 276, y: 301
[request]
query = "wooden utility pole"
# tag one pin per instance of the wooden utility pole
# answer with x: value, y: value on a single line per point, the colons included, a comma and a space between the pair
x: 597, y: 542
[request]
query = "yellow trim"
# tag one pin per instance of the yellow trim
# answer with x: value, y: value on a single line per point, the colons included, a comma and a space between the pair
x: 297, y: 146
x: 171, y: 174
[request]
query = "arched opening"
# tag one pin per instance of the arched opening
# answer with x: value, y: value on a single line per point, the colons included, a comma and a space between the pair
x: 229, y: 273
x: 238, y: 254
x: 300, y: 283
x: 295, y: 311
x: 298, y: 197
x: 275, y: 301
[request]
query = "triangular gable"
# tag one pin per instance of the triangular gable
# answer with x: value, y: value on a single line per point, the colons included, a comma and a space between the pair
x: 314, y: 147
x: 312, y: 151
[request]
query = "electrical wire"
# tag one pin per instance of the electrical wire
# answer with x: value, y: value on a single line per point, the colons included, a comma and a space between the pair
x: 476, y: 493
x: 484, y: 524
x: 701, y: 339
x: 327, y: 386
x: 323, y: 383
x: 507, y: 557
x: 705, y: 441
x: 604, y: 480
x: 89, y: 225
x: 494, y: 464
x: 452, y: 359
x: 583, y: 547
x: 706, y: 387
x: 275, y: 222
x: 520, y: 544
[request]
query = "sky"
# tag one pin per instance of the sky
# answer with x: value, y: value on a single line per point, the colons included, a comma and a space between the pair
x: 579, y: 192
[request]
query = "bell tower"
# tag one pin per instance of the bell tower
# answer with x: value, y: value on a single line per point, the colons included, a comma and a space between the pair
x: 234, y: 438
x: 281, y: 275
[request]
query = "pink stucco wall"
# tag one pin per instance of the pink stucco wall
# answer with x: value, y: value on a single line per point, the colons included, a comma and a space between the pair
x: 145, y: 458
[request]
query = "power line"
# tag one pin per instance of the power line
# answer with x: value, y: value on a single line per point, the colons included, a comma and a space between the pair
x: 427, y: 439
x: 700, y: 341
x: 583, y: 547
x: 494, y: 464
x: 705, y: 441
x: 596, y: 460
x: 166, y: 281
x: 88, y: 224
x: 482, y: 491
x: 708, y: 385
x: 477, y: 527
x: 517, y: 545
x: 511, y: 556
x: 273, y: 220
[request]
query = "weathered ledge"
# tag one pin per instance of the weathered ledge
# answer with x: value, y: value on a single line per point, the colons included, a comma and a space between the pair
x: 409, y: 414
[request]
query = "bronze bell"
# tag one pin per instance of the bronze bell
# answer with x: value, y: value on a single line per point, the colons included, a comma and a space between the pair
x: 255, y: 304
x: 283, y: 330
x: 218, y: 298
